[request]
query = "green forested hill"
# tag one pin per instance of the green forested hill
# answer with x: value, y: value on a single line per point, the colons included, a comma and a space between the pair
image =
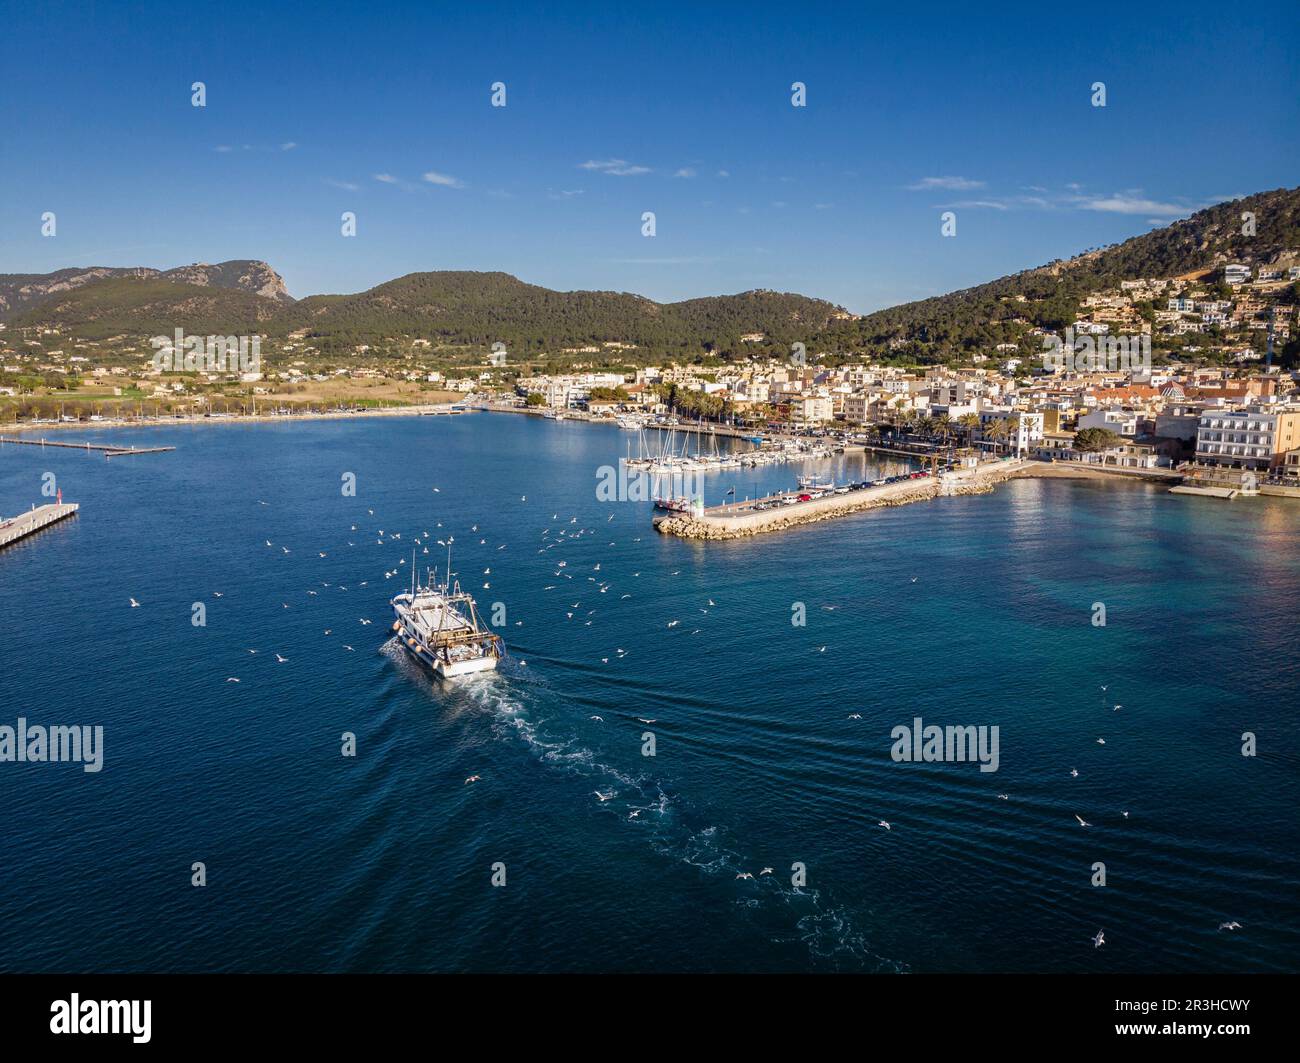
x: 483, y: 308
x: 458, y: 308
x: 976, y: 318
x: 144, y: 307
x: 471, y: 309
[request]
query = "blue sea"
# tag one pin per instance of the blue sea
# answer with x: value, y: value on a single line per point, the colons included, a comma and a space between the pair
x: 772, y: 740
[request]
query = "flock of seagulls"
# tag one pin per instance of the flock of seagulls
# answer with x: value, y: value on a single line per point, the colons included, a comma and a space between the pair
x: 560, y: 536
x: 1100, y: 938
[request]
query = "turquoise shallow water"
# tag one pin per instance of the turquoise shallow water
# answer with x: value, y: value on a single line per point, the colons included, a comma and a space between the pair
x: 967, y: 611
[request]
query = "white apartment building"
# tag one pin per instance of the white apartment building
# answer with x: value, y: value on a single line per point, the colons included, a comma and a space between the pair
x: 1121, y: 422
x: 812, y: 409
x: 1253, y: 438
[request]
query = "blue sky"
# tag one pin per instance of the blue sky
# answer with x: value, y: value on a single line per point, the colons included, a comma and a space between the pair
x: 313, y: 110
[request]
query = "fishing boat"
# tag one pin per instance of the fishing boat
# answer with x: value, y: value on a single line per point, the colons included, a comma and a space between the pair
x: 811, y: 483
x: 673, y: 505
x: 439, y: 626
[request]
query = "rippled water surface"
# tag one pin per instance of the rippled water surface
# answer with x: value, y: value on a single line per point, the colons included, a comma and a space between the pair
x: 965, y: 611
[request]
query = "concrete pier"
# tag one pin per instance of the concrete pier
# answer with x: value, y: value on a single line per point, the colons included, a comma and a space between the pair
x: 14, y: 528
x: 740, y: 520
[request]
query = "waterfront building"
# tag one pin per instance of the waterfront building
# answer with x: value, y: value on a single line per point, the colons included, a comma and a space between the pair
x: 1121, y: 422
x: 1291, y: 466
x: 1253, y: 438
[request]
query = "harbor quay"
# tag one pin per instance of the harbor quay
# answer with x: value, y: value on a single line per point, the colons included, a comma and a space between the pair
x: 790, y: 508
x: 14, y: 528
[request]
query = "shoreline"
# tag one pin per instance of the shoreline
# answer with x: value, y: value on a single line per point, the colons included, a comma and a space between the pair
x: 429, y: 410
x: 1026, y: 469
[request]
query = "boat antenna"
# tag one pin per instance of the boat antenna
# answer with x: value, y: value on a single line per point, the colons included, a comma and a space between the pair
x: 413, y: 573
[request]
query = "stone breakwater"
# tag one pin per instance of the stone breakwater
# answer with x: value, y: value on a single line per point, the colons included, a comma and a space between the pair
x: 723, y: 524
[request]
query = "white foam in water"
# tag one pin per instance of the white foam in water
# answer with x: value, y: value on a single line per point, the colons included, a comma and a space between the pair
x: 826, y: 931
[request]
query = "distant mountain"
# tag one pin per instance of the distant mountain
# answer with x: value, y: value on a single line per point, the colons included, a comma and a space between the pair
x: 459, y: 308
x: 142, y: 307
x: 1049, y: 296
x: 483, y: 308
x: 243, y: 275
x: 26, y: 291
x: 478, y: 309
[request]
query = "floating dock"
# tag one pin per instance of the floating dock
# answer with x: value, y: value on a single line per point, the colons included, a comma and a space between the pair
x: 108, y: 450
x: 1207, y: 492
x: 14, y: 528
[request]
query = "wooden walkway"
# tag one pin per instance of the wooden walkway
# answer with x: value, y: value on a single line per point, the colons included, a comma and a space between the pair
x: 108, y: 450
x: 14, y: 528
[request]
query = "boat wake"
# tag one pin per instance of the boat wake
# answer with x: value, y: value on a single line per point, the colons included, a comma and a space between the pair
x: 676, y: 829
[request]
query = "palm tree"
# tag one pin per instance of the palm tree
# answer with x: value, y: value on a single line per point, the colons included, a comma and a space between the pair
x: 970, y: 422
x: 999, y: 431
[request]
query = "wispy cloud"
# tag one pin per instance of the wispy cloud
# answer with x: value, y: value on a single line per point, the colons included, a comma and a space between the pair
x: 952, y: 184
x: 724, y: 173
x: 396, y: 182
x: 1132, y: 203
x: 346, y: 186
x: 614, y: 167
x: 977, y: 204
x: 443, y: 180
x: 288, y: 145
x: 685, y: 260
x: 1074, y: 197
x: 685, y: 171
x: 566, y: 193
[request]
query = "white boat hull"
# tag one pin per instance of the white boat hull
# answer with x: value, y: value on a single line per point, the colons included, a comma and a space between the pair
x: 434, y: 633
x: 460, y: 668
